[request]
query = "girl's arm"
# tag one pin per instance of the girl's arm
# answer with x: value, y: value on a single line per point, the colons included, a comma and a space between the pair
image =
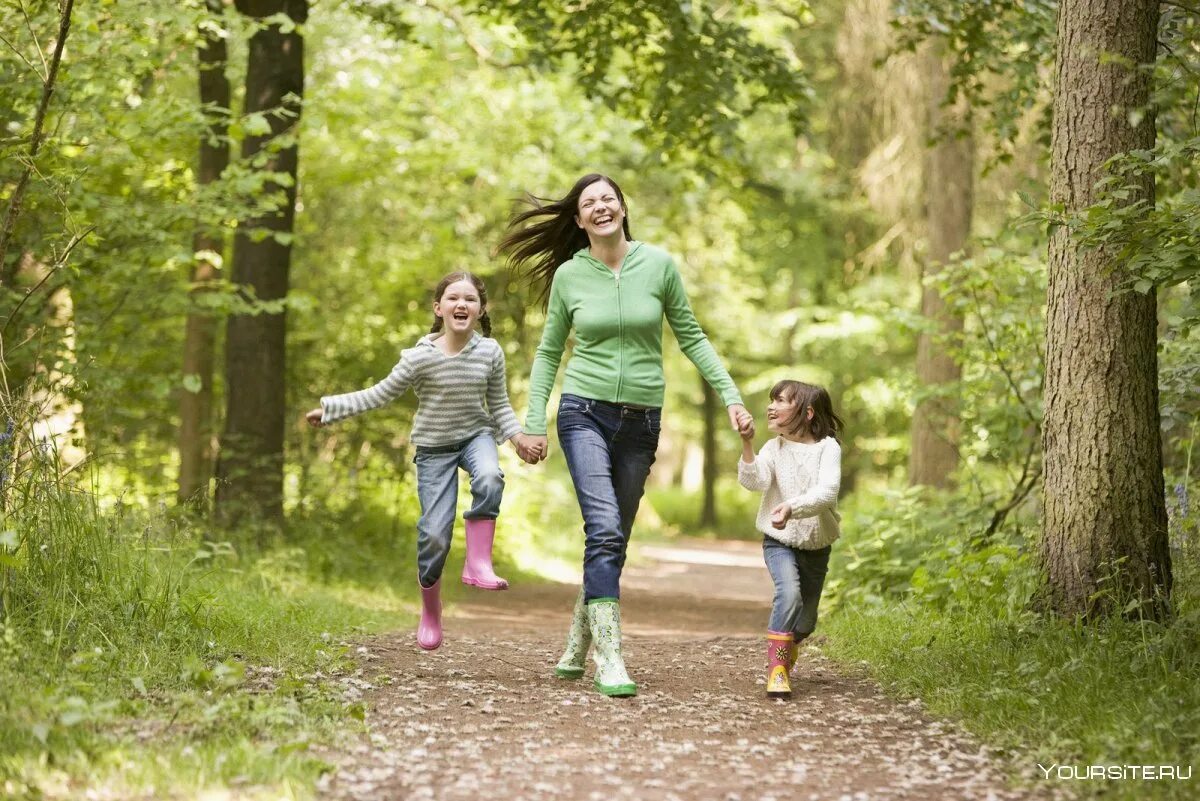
x: 757, y: 474
x: 824, y: 494
x: 497, y: 399
x: 692, y: 340
x: 339, y: 407
x: 545, y: 363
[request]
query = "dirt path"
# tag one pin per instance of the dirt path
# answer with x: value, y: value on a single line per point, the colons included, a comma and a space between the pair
x: 484, y: 717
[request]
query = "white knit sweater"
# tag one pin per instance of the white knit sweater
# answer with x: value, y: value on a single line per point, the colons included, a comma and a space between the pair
x: 808, y: 477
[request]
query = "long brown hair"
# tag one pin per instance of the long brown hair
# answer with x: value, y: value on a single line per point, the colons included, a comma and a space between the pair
x: 484, y: 321
x: 536, y: 251
x: 824, y: 422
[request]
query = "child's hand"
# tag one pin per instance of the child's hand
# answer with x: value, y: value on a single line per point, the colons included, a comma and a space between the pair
x: 748, y: 435
x: 740, y: 418
x: 780, y: 516
x: 531, y: 449
x: 314, y: 418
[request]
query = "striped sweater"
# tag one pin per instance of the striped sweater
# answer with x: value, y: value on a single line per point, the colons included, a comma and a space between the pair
x: 458, y: 396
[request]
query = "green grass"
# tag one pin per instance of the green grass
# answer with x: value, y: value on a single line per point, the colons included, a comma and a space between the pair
x: 934, y: 613
x: 1047, y: 691
x: 139, y: 658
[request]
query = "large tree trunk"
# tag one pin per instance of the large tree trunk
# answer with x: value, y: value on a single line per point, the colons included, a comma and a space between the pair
x: 250, y: 473
x: 708, y: 512
x: 1105, y: 517
x: 200, y: 334
x: 949, y: 202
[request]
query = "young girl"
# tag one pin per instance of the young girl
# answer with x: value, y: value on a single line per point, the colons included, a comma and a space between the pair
x: 799, y: 473
x: 462, y: 412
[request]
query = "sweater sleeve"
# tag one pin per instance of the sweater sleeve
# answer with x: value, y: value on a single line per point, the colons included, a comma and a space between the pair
x: 339, y: 407
x: 692, y: 340
x: 545, y: 363
x: 757, y: 475
x: 823, y: 494
x: 506, y: 420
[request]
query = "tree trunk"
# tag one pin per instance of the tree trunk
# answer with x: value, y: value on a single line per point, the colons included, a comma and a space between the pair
x: 250, y: 470
x: 1105, y: 539
x: 708, y: 513
x: 200, y: 334
x: 949, y: 201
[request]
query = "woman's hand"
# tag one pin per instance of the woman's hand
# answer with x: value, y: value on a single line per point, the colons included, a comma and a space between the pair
x: 532, y: 449
x: 780, y: 515
x: 741, y: 419
x: 314, y: 418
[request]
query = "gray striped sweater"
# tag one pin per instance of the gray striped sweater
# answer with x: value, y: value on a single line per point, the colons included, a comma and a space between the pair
x: 457, y: 396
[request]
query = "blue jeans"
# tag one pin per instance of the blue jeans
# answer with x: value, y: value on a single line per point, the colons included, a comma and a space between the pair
x: 609, y: 450
x: 437, y: 490
x: 799, y: 576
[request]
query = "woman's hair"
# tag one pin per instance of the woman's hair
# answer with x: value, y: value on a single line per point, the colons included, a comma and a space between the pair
x: 824, y: 422
x: 484, y: 321
x: 539, y: 249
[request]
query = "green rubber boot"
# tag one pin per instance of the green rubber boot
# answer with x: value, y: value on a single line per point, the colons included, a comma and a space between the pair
x: 579, y: 639
x: 604, y: 619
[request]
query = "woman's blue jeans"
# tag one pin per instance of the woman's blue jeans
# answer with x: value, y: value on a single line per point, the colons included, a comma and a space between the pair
x: 799, y: 576
x: 609, y: 450
x: 437, y: 490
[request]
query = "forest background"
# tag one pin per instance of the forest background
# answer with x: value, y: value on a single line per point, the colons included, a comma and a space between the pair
x: 859, y: 194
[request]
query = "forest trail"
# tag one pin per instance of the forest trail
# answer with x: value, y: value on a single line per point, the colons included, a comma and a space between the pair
x: 483, y: 716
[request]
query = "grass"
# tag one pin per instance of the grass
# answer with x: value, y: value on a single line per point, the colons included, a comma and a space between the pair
x: 1047, y: 691
x: 140, y: 659
x: 933, y: 614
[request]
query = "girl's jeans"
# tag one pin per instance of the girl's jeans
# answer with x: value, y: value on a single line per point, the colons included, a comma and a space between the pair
x: 437, y: 489
x: 799, y: 576
x: 609, y: 450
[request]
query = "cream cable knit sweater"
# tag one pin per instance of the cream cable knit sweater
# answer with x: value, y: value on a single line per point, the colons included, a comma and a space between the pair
x: 808, y: 477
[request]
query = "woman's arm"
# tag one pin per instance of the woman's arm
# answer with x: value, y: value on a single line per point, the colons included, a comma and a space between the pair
x: 692, y: 340
x: 339, y: 407
x: 824, y: 494
x: 545, y: 363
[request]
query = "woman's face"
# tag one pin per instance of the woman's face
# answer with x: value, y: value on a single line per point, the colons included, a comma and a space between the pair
x: 600, y: 212
x: 459, y: 307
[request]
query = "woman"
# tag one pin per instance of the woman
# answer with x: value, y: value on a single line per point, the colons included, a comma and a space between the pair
x: 613, y: 293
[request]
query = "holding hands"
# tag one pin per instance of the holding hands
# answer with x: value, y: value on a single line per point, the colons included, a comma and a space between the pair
x: 531, y: 448
x: 741, y: 420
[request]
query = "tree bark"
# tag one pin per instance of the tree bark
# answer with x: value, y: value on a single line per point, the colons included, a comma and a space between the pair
x: 1105, y: 540
x: 200, y: 334
x: 949, y: 203
x: 250, y: 470
x: 708, y: 512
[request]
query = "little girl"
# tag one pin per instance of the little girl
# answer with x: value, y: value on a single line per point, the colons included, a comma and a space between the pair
x: 799, y: 473
x: 462, y: 412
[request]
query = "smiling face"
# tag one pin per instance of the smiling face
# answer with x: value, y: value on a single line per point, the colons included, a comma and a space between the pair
x: 782, y: 411
x: 600, y: 211
x: 459, y: 306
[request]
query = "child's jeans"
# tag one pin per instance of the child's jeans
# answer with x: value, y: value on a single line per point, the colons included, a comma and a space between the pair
x: 437, y: 489
x: 799, y: 576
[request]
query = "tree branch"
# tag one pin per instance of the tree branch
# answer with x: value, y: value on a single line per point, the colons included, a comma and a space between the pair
x: 35, y: 139
x: 1194, y: 9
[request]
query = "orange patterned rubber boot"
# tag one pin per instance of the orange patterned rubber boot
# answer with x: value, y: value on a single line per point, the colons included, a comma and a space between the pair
x: 779, y: 647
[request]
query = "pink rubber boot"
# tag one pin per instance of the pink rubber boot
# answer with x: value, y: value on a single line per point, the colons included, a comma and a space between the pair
x: 477, y: 569
x: 779, y: 646
x: 429, y: 630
